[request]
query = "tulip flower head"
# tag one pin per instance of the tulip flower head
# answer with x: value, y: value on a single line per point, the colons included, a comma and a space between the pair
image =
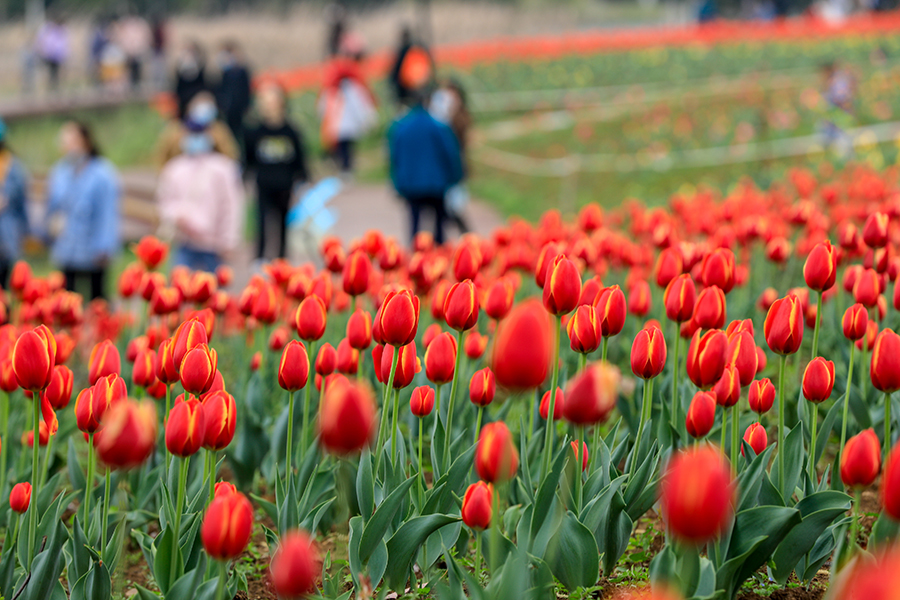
x: 346, y: 416
x: 761, y: 395
x: 128, y: 435
x: 679, y: 298
x: 399, y: 317
x: 295, y: 565
x: 755, y: 436
x: 421, y: 402
x: 861, y: 460
x: 496, y: 457
x: 293, y: 370
x: 592, y: 394
x: 477, y: 505
x: 461, y: 306
x: 33, y: 358
x: 890, y: 484
x: 558, y: 401
x: 885, y: 362
x: 648, y: 353
x: 20, y: 497
x: 784, y: 325
x: 701, y: 415
x: 227, y: 526
x: 697, y: 494
x: 706, y: 358
x: 482, y: 387
x: 818, y: 380
x: 522, y: 347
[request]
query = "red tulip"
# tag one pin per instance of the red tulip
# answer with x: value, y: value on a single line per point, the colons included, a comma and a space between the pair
x: 885, y: 365
x: 648, y: 353
x: 697, y: 494
x: 562, y: 289
x: 311, y: 318
x: 128, y: 435
x: 861, y: 460
x: 756, y: 437
x: 295, y: 565
x: 166, y: 367
x: 875, y: 230
x: 496, y: 457
x: 188, y: 336
x: 680, y: 298
x: 293, y: 370
x: 499, y: 299
x: 610, y: 307
x: 741, y: 353
x: 227, y: 526
x: 709, y: 310
x: 718, y: 269
x: 784, y: 325
x: 407, y: 365
x: 545, y: 260
x: 669, y: 265
x: 701, y: 414
x: 20, y: 497
x: 357, y: 270
x: 185, y: 428
x: 584, y: 330
x: 890, y: 485
x: 104, y: 361
x: 422, y: 401
x: 482, y: 387
x: 706, y: 358
x: 461, y: 306
x: 584, y: 453
x: 728, y: 388
x: 522, y: 347
x: 399, y: 318
x: 591, y: 395
x: 820, y: 269
x: 558, y: 401
x: 346, y: 416
x: 475, y: 344
x: 33, y: 358
x: 151, y: 251
x: 818, y: 380
x: 477, y: 505
x: 467, y: 259
x: 347, y: 358
x: 220, y: 412
x: 868, y: 288
x: 59, y: 393
x: 198, y: 369
x: 761, y: 395
x: 326, y: 360
x: 359, y: 329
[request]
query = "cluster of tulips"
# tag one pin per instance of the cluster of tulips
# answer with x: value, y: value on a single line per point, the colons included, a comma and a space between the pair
x: 542, y: 475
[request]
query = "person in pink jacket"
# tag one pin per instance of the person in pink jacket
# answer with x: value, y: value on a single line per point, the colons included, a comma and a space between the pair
x: 201, y: 203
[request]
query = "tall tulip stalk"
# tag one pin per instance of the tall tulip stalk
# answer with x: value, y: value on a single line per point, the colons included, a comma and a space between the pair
x: 855, y: 325
x: 679, y: 300
x: 648, y: 358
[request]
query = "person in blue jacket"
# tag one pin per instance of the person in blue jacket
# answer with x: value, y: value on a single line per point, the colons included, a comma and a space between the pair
x: 83, y: 210
x: 13, y: 203
x: 425, y: 163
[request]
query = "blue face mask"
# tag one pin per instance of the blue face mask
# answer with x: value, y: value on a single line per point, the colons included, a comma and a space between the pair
x: 203, y: 113
x: 196, y: 143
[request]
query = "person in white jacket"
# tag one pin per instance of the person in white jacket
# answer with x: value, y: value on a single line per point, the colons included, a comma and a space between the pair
x: 201, y: 203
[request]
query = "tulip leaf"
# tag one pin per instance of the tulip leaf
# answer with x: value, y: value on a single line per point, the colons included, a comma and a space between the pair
x: 822, y: 551
x: 751, y: 479
x: 356, y: 566
x: 145, y: 594
x: 455, y: 478
x: 819, y: 511
x: 312, y: 520
x: 860, y: 411
x: 48, y: 564
x: 97, y: 584
x: 165, y: 546
x: 268, y: 507
x: 377, y: 526
x: 768, y: 526
x: 114, y: 547
x: 573, y: 556
x: 510, y: 581
x: 546, y: 493
x: 404, y: 544
x: 794, y: 461
x: 884, y: 531
x: 365, y: 485
x: 827, y: 427
x: 597, y: 510
x: 81, y: 560
x: 7, y: 569
x: 76, y: 476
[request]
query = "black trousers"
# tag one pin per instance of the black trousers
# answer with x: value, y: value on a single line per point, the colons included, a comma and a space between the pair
x: 433, y: 204
x: 273, y: 210
x: 343, y: 155
x: 95, y: 278
x: 4, y: 273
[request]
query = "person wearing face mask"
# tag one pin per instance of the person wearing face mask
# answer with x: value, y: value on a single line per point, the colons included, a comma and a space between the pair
x: 201, y: 110
x: 201, y: 202
x: 274, y: 151
x: 13, y: 207
x: 83, y: 219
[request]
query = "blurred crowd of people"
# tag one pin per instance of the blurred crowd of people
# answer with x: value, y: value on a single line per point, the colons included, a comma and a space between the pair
x: 228, y: 131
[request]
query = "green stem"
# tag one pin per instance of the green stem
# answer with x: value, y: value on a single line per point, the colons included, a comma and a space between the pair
x: 478, y: 557
x: 46, y: 464
x: 168, y: 457
x: 648, y: 398
x: 395, y: 426
x: 815, y: 343
x: 846, y: 414
x: 382, y: 428
x: 551, y: 405
x: 579, y: 461
x: 676, y: 371
x: 420, y: 467
x: 478, y: 423
x: 864, y: 384
x: 4, y: 437
x: 289, y: 451
x: 89, y: 480
x: 780, y: 435
x: 495, y: 531
x: 535, y: 407
x: 603, y: 348
x: 220, y: 582
x: 211, y: 457
x: 582, y: 362
x: 35, y: 482
x: 735, y: 436
x: 183, y: 465
x: 724, y: 432
x: 887, y: 424
x: 448, y: 434
x: 104, y: 524
x: 854, y: 520
x: 311, y: 383
x: 813, y: 475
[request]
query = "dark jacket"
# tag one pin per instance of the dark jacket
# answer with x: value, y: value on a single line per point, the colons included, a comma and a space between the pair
x: 425, y: 156
x: 277, y: 156
x: 233, y: 95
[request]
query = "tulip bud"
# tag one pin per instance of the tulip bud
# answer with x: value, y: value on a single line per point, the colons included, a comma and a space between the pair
x: 144, y: 372
x: 885, y: 364
x: 399, y: 318
x: 890, y: 485
x: 311, y: 318
x: 20, y: 497
x: 499, y: 299
x: 761, y: 396
x: 151, y: 251
x: 584, y: 330
x: 818, y: 380
x: 475, y: 344
x: 166, y: 367
x: 407, y: 365
x: 861, y: 460
x: 756, y: 437
x: 709, y: 310
x: 522, y: 347
x: 610, y: 307
x: 784, y: 325
x: 669, y: 265
x: 359, y: 329
x: 482, y: 387
x: 697, y: 494
x: 477, y: 505
x: 185, y: 428
x: 648, y: 353
x: 227, y: 526
x: 875, y: 230
x: 440, y: 359
x: 431, y: 332
x: 461, y: 308
x: 820, y: 269
x: 326, y: 360
x: 718, y: 269
x: 188, y: 336
x: 198, y: 369
x: 591, y: 395
x: 545, y: 260
x: 467, y: 259
x: 293, y: 370
x: 347, y: 358
x: 422, y: 401
x: 701, y: 414
x: 33, y: 358
x: 679, y: 298
x: 562, y: 287
x: 584, y: 453
x: 128, y: 435
x: 558, y: 401
x: 346, y: 416
x: 295, y: 565
x: 640, y: 299
x: 220, y: 415
x: 706, y: 358
x: 357, y: 270
x: 104, y: 361
x: 59, y: 393
x: 496, y: 457
x: 728, y: 388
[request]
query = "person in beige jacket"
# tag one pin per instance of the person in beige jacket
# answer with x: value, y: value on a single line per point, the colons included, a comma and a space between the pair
x: 201, y: 110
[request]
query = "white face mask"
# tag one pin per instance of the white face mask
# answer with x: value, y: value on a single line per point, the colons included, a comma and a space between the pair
x: 196, y: 143
x: 203, y: 113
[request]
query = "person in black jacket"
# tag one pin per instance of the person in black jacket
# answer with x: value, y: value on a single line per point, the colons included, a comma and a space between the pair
x: 274, y: 151
x: 190, y: 75
x: 234, y: 88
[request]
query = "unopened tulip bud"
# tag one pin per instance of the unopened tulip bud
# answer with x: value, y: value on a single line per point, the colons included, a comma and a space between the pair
x: 756, y: 437
x: 701, y: 414
x: 861, y: 460
x: 761, y: 395
x: 477, y: 505
x: 496, y: 457
x: 697, y: 494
